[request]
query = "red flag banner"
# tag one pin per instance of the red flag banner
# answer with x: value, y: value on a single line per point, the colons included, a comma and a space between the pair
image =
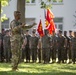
x: 51, y: 27
x: 40, y: 29
x: 49, y: 21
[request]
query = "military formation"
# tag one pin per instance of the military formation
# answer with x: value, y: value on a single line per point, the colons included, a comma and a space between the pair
x: 16, y: 47
x: 55, y: 48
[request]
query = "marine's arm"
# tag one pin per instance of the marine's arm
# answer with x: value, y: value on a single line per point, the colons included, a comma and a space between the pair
x: 27, y: 26
x: 23, y: 26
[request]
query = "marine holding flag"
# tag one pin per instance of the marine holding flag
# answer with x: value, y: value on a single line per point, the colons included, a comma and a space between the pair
x: 40, y: 31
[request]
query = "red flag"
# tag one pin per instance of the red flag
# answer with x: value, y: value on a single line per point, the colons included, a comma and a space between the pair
x: 49, y: 21
x: 40, y: 29
x: 51, y: 27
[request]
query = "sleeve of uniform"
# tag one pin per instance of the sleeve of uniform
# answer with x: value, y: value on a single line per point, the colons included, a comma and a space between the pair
x: 30, y: 42
x: 50, y: 40
x: 25, y: 41
x: 24, y: 27
x: 65, y: 42
x: 4, y: 42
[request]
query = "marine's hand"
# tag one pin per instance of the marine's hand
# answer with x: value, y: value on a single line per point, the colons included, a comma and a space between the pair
x: 23, y: 25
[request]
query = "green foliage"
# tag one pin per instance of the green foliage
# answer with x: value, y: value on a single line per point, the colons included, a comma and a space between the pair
x: 39, y: 69
x: 54, y: 0
x: 60, y: 0
x: 27, y: 1
x: 3, y: 4
x: 46, y: 4
x: 4, y: 17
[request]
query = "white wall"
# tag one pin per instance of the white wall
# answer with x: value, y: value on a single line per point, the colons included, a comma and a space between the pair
x: 69, y: 10
x: 66, y: 11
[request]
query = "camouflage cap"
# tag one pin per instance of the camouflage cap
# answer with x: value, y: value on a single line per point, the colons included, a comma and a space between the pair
x: 70, y: 30
x: 16, y: 13
x: 33, y: 32
x: 60, y: 31
x: 65, y: 31
x: 6, y: 31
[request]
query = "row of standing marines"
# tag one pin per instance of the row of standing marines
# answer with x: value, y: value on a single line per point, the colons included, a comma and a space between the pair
x: 18, y: 47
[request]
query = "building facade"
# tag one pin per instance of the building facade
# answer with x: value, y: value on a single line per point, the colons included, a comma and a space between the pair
x: 62, y: 9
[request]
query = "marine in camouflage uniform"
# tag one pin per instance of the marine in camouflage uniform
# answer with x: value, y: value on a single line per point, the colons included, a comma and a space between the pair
x: 39, y: 50
x: 1, y: 46
x: 54, y: 47
x: 16, y: 39
x: 70, y: 51
x: 7, y: 46
x: 66, y: 50
x: 33, y: 46
x: 46, y: 44
x: 27, y: 48
x: 61, y: 44
x: 73, y: 47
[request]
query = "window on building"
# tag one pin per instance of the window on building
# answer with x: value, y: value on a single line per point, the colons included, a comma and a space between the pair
x: 30, y: 1
x: 5, y: 24
x: 59, y: 23
x: 56, y: 1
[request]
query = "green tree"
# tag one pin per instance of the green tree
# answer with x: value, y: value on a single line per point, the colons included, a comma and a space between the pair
x: 45, y: 4
x: 2, y: 4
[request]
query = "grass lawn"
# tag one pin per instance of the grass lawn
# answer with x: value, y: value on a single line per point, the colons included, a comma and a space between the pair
x: 39, y: 69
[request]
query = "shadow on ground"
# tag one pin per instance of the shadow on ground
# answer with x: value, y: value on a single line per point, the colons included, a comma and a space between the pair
x: 24, y: 73
x: 39, y: 69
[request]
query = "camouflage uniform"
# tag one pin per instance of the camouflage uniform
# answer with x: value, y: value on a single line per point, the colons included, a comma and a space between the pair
x: 16, y: 39
x: 54, y: 47
x: 61, y: 44
x: 39, y: 50
x: 70, y: 51
x: 7, y: 47
x: 33, y: 44
x: 46, y: 43
x: 15, y: 43
x: 1, y: 47
x: 73, y: 43
x: 67, y: 45
x: 27, y: 49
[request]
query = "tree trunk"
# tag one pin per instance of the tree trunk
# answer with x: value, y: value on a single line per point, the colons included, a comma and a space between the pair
x: 21, y: 8
x: 0, y: 16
